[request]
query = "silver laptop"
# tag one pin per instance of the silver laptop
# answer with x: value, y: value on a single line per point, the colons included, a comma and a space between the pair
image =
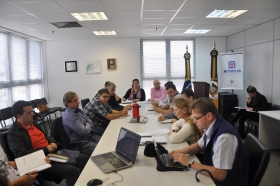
x: 124, y: 155
x: 166, y: 160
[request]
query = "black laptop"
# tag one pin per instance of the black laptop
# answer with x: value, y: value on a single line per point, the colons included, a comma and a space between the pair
x: 124, y: 155
x: 166, y: 160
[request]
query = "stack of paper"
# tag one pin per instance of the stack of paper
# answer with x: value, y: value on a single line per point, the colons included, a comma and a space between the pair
x: 158, y: 139
x: 167, y: 121
x: 58, y: 158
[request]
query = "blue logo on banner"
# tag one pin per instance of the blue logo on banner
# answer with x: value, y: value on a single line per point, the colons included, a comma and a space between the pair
x: 231, y: 64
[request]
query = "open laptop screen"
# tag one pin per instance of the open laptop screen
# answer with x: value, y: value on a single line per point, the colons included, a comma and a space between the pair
x: 128, y: 144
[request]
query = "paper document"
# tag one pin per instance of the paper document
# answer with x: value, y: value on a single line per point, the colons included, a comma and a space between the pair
x: 158, y: 139
x: 145, y: 134
x: 58, y: 158
x: 31, y: 162
x: 167, y: 121
x: 158, y: 132
x: 245, y: 109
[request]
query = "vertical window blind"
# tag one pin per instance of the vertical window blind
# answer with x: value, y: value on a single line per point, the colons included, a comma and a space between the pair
x: 21, y: 69
x: 164, y: 60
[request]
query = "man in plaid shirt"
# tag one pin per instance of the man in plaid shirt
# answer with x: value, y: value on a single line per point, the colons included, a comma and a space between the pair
x: 100, y: 112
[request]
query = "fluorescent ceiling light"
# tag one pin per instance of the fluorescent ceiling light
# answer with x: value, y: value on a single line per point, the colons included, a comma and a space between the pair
x: 89, y: 16
x: 199, y: 31
x: 225, y: 13
x: 104, y: 33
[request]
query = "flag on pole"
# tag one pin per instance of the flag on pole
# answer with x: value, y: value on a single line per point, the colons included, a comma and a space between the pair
x: 188, y: 82
x: 213, y: 91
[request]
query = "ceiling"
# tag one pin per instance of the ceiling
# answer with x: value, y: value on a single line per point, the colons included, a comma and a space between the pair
x: 133, y: 18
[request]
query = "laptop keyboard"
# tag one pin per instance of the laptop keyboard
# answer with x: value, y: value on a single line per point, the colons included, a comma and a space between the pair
x: 170, y: 162
x: 116, y: 162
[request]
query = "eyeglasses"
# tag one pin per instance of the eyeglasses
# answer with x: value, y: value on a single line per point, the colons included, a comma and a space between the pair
x: 199, y: 117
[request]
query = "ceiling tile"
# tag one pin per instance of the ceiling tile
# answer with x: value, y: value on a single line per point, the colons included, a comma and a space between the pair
x: 216, y: 31
x: 229, y: 27
x: 202, y: 4
x: 95, y: 23
x: 126, y: 27
x: 271, y: 4
x: 3, y: 21
x: 121, y: 5
x: 126, y: 22
x: 188, y: 20
x: 40, y: 26
x: 259, y: 13
x: 158, y: 14
x: 242, y: 20
x: 155, y: 21
x: 123, y: 15
x: 86, y: 36
x: 241, y: 4
x: 185, y: 27
x: 162, y: 4
x: 81, y: 6
x: 193, y: 13
x: 215, y: 21
x: 56, y: 17
x: 76, y: 30
x: 101, y: 28
x: 202, y: 26
x: 41, y: 8
x: 21, y: 18
x: 9, y: 9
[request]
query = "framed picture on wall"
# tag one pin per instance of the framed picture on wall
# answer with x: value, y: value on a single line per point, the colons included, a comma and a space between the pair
x: 71, y: 66
x: 93, y: 67
x: 111, y: 64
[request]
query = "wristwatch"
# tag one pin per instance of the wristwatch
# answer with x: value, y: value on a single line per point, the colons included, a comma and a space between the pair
x: 190, y: 163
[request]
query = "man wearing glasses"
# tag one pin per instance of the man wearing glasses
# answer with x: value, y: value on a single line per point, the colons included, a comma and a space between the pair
x: 158, y: 93
x: 225, y: 155
x: 100, y: 112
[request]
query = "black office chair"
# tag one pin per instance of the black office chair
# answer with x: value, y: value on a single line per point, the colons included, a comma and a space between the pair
x: 255, y: 123
x: 5, y: 146
x: 59, y: 134
x: 276, y: 107
x: 259, y: 158
x: 5, y: 114
x: 84, y: 102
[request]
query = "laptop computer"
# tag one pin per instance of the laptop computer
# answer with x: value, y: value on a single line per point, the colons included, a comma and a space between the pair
x: 166, y: 160
x: 124, y: 155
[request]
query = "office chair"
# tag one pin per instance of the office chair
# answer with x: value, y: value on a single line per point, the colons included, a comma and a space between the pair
x: 276, y: 107
x: 84, y: 102
x: 255, y: 123
x: 5, y: 146
x: 259, y: 158
x: 59, y: 134
x: 6, y: 113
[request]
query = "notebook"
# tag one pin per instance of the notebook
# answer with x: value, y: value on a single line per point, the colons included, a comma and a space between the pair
x: 124, y: 155
x: 166, y: 160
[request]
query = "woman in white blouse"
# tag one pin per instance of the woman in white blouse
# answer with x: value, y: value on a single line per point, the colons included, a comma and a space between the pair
x: 184, y: 129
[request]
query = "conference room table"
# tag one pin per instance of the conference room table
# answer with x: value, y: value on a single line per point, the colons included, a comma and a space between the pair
x: 143, y: 172
x: 269, y: 128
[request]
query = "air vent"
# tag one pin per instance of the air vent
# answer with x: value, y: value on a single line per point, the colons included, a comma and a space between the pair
x: 66, y: 24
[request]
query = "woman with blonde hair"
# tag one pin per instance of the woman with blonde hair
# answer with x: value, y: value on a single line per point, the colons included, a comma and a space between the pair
x: 184, y: 129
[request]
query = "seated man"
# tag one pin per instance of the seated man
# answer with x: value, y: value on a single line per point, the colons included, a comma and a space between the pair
x: 24, y: 137
x: 256, y: 102
x: 117, y: 98
x: 225, y: 155
x: 111, y: 87
x: 165, y: 100
x: 186, y: 93
x: 100, y: 112
x: 158, y: 93
x: 77, y: 125
x: 11, y: 173
x: 172, y: 94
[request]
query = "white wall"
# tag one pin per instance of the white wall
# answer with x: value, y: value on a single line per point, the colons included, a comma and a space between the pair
x: 127, y: 53
x: 261, y: 46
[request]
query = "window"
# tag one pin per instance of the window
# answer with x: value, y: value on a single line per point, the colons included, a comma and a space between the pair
x: 164, y: 60
x: 21, y: 69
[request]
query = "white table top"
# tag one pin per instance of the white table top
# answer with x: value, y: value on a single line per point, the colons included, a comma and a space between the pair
x: 143, y: 172
x: 275, y: 114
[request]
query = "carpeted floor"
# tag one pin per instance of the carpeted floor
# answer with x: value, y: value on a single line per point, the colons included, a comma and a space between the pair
x: 272, y: 174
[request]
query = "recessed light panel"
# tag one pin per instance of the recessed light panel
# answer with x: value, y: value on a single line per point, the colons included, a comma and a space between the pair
x: 104, y: 33
x: 225, y: 13
x: 200, y: 31
x: 89, y: 16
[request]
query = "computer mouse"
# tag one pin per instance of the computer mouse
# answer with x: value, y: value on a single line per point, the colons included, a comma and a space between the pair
x: 94, y: 182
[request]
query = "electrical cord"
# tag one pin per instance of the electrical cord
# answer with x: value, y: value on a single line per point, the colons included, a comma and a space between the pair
x: 114, y: 183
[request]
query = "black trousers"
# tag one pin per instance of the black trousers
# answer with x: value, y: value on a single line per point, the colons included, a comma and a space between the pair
x: 242, y: 115
x: 60, y: 171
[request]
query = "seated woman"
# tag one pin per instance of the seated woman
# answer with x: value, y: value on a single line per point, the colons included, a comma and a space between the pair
x: 256, y: 102
x: 135, y: 93
x: 184, y: 129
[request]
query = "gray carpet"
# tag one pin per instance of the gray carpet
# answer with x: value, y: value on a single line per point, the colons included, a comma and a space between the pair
x: 271, y: 175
